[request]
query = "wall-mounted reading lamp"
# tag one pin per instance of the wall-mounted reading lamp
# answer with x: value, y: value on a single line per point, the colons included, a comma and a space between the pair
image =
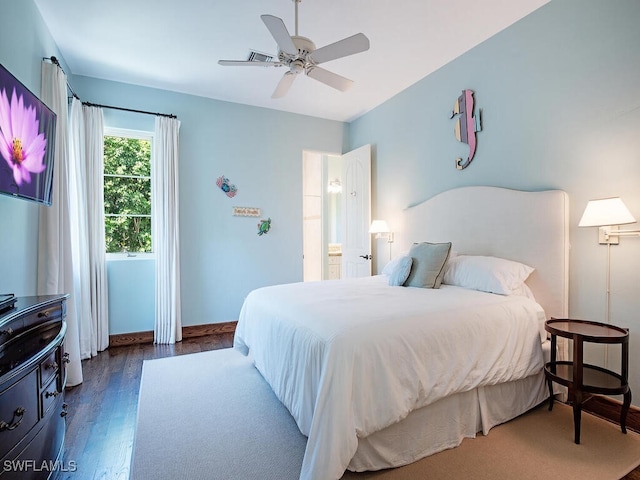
x: 608, y: 213
x: 381, y: 230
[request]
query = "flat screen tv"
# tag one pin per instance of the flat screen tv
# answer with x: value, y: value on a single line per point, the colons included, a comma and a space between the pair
x: 27, y: 142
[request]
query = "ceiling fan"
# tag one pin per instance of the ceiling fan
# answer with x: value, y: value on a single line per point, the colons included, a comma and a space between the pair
x: 300, y: 55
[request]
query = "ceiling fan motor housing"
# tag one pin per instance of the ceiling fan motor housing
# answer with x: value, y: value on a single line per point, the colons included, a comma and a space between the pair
x: 301, y: 61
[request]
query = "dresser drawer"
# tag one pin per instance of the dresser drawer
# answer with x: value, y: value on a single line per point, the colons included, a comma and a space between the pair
x: 334, y: 267
x: 335, y: 259
x: 47, y: 314
x: 49, y: 367
x: 47, y: 445
x: 10, y: 329
x: 14, y: 328
x: 22, y: 396
x: 48, y: 396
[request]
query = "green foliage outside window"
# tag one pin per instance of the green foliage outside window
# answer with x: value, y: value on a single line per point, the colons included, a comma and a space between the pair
x: 127, y: 194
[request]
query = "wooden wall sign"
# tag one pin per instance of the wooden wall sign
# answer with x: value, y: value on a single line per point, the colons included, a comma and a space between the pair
x: 246, y: 212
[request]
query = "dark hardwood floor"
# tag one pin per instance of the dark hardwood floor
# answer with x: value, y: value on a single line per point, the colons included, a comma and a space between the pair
x: 102, y: 410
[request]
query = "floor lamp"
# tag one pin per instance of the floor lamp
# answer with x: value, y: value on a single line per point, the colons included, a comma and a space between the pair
x: 608, y: 214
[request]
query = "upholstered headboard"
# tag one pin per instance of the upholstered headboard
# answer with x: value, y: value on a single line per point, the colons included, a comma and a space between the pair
x: 529, y: 227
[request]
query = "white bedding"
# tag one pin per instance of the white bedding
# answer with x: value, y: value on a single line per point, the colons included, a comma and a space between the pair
x: 351, y: 357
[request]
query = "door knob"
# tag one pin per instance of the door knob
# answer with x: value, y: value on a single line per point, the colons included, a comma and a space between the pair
x: 367, y: 257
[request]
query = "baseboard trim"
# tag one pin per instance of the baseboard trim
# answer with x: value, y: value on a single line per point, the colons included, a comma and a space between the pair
x: 133, y: 338
x: 189, y: 331
x: 610, y: 408
x: 208, y: 329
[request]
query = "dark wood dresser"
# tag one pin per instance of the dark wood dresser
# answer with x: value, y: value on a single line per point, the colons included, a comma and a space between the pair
x: 32, y: 380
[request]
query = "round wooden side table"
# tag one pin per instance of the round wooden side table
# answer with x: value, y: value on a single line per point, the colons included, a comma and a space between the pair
x: 581, y: 378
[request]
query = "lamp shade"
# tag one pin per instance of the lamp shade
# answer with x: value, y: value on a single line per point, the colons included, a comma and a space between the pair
x: 604, y: 212
x: 379, y: 226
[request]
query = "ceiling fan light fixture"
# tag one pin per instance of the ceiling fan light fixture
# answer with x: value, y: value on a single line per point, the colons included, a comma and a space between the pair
x: 297, y: 66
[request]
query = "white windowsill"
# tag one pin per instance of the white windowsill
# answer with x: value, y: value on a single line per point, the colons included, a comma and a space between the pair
x: 111, y: 257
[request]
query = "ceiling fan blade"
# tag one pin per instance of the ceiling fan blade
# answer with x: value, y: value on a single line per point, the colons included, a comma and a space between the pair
x: 283, y: 85
x: 248, y: 63
x: 280, y: 33
x: 329, y: 78
x: 348, y: 46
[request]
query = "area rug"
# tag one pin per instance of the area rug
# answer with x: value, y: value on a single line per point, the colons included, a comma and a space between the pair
x: 211, y: 415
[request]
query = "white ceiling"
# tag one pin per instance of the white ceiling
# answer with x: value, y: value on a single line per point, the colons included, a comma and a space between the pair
x: 175, y: 44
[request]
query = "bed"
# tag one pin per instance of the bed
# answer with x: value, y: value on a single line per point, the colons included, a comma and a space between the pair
x: 378, y: 376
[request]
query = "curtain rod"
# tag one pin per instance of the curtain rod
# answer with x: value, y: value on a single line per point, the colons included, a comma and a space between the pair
x: 55, y: 61
x: 169, y: 115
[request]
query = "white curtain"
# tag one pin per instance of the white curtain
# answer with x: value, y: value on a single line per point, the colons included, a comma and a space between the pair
x: 165, y: 230
x: 87, y: 206
x: 55, y: 263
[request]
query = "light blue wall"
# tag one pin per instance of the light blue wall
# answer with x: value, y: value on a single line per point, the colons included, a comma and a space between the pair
x: 560, y: 93
x: 131, y: 295
x: 222, y: 257
x: 24, y: 41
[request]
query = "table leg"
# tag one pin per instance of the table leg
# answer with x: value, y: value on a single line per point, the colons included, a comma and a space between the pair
x: 578, y: 366
x: 625, y: 410
x: 554, y: 346
x: 577, y: 412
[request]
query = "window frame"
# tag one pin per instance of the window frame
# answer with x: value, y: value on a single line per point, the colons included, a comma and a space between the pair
x: 140, y: 135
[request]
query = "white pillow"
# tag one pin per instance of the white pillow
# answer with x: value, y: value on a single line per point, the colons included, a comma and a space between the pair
x: 488, y: 274
x: 524, y: 291
x: 401, y: 271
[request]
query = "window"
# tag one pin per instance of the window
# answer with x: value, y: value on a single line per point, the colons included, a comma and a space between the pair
x: 127, y: 191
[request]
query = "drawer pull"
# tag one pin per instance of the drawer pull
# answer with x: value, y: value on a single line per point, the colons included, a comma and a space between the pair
x: 8, y: 332
x: 13, y: 424
x: 51, y: 394
x: 64, y: 411
x: 43, y: 314
x: 51, y: 366
x: 65, y: 358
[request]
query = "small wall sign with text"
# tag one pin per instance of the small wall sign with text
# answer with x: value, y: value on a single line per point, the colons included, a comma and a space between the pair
x: 467, y: 124
x: 246, y: 212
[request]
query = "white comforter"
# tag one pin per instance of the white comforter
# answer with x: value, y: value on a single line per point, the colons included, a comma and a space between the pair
x: 351, y: 357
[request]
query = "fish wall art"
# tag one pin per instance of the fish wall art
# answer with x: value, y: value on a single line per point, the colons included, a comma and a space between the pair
x: 467, y: 124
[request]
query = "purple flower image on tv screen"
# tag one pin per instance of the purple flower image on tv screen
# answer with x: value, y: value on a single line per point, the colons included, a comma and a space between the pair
x: 27, y: 138
x: 21, y: 144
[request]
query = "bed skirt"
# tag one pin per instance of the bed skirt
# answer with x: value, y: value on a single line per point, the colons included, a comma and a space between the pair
x: 448, y: 422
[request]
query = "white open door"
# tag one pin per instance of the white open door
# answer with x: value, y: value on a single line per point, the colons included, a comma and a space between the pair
x: 356, y: 213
